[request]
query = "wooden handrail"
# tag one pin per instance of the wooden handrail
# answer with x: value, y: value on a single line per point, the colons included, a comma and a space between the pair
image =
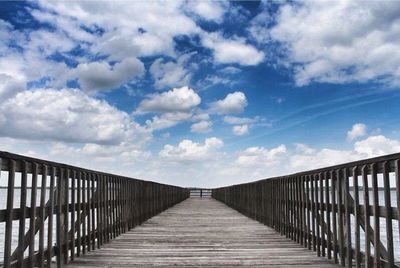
x: 320, y: 210
x: 90, y: 208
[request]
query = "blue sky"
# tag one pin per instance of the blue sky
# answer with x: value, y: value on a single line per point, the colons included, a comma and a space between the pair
x: 200, y: 93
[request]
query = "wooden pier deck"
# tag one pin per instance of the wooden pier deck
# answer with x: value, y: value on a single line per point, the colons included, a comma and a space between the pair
x: 201, y: 232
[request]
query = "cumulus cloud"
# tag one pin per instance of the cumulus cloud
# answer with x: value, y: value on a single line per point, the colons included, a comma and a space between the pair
x: 377, y: 145
x: 189, y: 151
x: 358, y: 130
x: 167, y: 120
x: 172, y: 73
x: 234, y: 50
x: 201, y: 127
x: 175, y: 100
x: 208, y: 10
x: 307, y: 157
x: 261, y: 156
x: 240, y: 130
x: 9, y: 87
x: 340, y: 42
x: 97, y: 76
x: 233, y: 103
x: 66, y: 115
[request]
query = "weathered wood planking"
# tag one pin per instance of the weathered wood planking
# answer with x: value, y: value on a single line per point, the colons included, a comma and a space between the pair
x: 201, y: 232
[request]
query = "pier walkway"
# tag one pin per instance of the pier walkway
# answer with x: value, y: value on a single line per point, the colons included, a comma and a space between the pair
x: 201, y: 232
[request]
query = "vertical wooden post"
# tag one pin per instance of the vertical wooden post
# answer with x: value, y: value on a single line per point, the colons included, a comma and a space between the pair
x: 50, y: 223
x: 357, y: 255
x: 9, y: 220
x: 60, y: 219
x: 21, y: 233
x: 339, y: 180
x: 366, y: 217
x: 334, y: 213
x: 375, y: 201
x: 318, y: 220
x: 73, y: 206
x: 388, y: 218
x: 32, y: 219
x: 42, y: 215
x: 66, y: 215
x: 347, y: 215
x: 328, y: 207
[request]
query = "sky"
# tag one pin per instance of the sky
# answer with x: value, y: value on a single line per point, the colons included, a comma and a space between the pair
x: 200, y: 93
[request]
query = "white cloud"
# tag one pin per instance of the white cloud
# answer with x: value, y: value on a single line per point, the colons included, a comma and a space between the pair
x: 9, y: 87
x: 240, y: 130
x: 175, y: 100
x: 260, y: 156
x: 129, y: 28
x: 171, y: 74
x: 358, y: 130
x: 167, y: 120
x: 341, y: 41
x: 208, y: 10
x: 66, y: 115
x: 376, y: 146
x: 233, y: 103
x: 97, y: 76
x: 234, y: 120
x: 232, y: 50
x: 201, y: 127
x: 189, y: 151
x: 306, y: 157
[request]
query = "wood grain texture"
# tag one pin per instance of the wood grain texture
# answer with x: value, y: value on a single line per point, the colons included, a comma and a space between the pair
x: 201, y: 232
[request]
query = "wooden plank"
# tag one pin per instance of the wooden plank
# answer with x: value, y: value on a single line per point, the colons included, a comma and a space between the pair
x: 201, y: 233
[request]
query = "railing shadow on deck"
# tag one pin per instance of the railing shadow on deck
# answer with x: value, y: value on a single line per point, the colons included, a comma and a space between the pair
x: 329, y: 210
x: 83, y: 209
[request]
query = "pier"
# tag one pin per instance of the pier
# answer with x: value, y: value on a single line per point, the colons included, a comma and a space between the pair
x: 326, y: 217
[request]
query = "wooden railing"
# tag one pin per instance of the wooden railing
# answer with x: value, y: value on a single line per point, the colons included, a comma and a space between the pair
x: 83, y: 208
x: 200, y: 192
x: 330, y: 210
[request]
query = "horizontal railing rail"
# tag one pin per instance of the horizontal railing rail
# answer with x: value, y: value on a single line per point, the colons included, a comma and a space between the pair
x: 346, y: 212
x: 71, y: 210
x: 200, y: 192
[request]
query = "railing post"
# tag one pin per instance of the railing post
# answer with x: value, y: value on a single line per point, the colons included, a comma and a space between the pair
x: 60, y: 218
